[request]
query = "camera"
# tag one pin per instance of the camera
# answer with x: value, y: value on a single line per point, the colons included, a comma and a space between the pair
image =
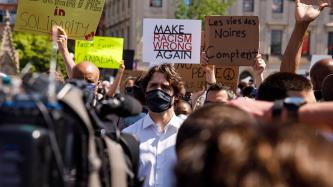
x: 63, y: 141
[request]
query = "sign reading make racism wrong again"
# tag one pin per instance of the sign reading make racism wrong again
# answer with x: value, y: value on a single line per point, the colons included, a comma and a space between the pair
x: 171, y: 41
x: 232, y: 40
x: 79, y: 18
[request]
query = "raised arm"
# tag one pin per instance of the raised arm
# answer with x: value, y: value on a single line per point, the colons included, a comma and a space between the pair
x: 259, y: 68
x: 318, y: 115
x: 209, y: 69
x: 304, y: 15
x: 62, y: 44
x: 113, y: 87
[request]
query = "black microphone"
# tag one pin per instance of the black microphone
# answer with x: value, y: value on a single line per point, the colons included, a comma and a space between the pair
x: 121, y: 106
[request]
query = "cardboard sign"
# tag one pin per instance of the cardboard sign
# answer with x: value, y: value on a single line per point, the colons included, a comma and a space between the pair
x: 232, y: 40
x: 79, y: 18
x: 126, y: 75
x: 104, y: 52
x: 171, y: 41
x: 194, y: 76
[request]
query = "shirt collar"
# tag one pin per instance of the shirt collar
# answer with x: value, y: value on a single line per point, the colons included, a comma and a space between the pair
x: 175, y: 121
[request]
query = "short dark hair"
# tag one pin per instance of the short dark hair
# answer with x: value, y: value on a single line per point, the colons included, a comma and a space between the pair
x: 267, y: 156
x: 277, y: 85
x: 137, y: 91
x: 209, y: 117
x: 171, y: 75
x: 220, y: 87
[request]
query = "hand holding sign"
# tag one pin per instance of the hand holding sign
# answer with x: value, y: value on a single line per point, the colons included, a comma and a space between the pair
x: 62, y: 40
x: 307, y: 13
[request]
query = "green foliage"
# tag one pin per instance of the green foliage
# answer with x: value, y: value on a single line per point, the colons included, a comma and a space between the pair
x: 198, y: 9
x: 37, y: 50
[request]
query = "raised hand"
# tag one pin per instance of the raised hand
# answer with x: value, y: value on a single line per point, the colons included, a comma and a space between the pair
x: 308, y: 13
x: 62, y: 40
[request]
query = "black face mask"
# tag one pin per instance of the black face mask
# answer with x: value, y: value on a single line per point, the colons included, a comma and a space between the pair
x: 128, y: 90
x: 158, y: 101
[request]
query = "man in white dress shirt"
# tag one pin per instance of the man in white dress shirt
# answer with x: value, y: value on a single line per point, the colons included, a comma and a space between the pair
x: 157, y: 131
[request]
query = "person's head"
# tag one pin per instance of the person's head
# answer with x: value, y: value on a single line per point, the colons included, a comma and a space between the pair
x: 249, y: 92
x: 201, y: 121
x: 283, y: 84
x: 250, y: 156
x: 138, y: 92
x: 129, y: 83
x: 183, y: 107
x: 162, y: 85
x: 319, y: 71
x: 218, y: 93
x: 86, y: 71
x: 327, y: 88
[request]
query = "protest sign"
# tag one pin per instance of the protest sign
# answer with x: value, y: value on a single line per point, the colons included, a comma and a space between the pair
x: 171, y: 41
x: 232, y: 40
x: 194, y: 76
x: 126, y: 75
x: 104, y: 52
x: 79, y: 18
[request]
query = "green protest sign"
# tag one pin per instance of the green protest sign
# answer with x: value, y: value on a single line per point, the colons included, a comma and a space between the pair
x: 104, y: 52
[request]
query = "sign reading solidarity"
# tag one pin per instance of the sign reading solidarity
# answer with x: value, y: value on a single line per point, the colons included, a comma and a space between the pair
x: 232, y: 40
x: 171, y: 41
x: 194, y: 76
x: 104, y: 52
x: 79, y: 18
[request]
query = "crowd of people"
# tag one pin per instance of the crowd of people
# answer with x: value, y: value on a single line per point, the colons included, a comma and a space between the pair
x: 274, y: 132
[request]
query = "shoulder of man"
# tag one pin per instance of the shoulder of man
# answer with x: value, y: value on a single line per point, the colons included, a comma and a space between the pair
x: 133, y: 129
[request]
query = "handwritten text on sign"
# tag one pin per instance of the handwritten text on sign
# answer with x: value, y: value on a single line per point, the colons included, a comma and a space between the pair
x: 194, y: 76
x: 171, y: 41
x: 104, y: 52
x: 232, y: 40
x: 78, y: 17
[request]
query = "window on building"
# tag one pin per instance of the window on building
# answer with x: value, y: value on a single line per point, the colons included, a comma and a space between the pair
x: 156, y: 3
x: 306, y: 44
x: 248, y: 5
x: 12, y: 16
x: 276, y: 42
x: 330, y: 43
x: 8, y: 1
x: 277, y: 6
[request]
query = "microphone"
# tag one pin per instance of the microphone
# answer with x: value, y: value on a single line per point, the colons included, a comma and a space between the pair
x: 122, y: 107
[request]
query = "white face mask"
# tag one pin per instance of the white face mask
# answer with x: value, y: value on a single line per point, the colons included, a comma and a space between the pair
x: 182, y: 116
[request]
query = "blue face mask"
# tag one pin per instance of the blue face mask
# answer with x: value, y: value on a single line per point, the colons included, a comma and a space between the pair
x: 158, y: 101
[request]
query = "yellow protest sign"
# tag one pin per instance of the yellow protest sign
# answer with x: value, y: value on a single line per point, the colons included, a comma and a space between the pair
x: 79, y: 18
x: 104, y: 52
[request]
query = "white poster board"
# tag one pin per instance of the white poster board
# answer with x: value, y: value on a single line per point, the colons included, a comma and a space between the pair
x: 171, y: 41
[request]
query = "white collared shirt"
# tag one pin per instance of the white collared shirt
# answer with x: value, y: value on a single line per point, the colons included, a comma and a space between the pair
x: 157, y: 150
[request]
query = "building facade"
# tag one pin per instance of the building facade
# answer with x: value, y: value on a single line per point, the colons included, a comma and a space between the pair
x: 277, y: 19
x: 10, y: 6
x: 124, y: 18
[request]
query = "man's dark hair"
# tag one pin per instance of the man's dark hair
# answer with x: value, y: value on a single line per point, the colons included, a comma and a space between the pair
x: 171, y: 76
x: 249, y: 156
x: 210, y: 117
x: 220, y: 87
x: 277, y: 85
x: 137, y: 91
